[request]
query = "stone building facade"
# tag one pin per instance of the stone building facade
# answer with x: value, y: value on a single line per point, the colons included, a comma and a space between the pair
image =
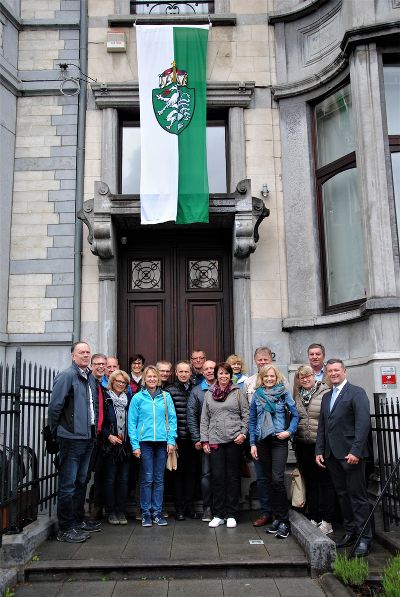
x: 273, y: 69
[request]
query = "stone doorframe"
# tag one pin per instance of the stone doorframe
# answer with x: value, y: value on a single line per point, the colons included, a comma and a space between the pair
x: 245, y: 213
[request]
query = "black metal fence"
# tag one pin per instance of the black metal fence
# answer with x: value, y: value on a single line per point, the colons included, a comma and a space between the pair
x: 386, y: 425
x: 28, y: 478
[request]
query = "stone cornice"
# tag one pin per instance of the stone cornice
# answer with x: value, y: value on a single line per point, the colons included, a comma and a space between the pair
x: 370, y: 307
x: 64, y: 23
x: 351, y: 38
x: 292, y: 14
x: 225, y: 20
x: 7, y: 11
x: 126, y: 95
x: 9, y: 80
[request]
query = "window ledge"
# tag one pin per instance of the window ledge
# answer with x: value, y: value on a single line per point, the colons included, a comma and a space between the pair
x: 225, y: 20
x: 126, y: 95
x: 369, y: 307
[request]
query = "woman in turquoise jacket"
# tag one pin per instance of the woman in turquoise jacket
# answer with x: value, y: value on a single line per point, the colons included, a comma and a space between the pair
x: 152, y: 432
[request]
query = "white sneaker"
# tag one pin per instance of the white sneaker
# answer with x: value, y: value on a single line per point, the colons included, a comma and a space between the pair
x: 326, y: 527
x: 231, y: 523
x: 216, y: 522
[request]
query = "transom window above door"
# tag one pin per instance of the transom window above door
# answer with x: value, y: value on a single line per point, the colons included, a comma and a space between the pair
x: 179, y: 7
x: 130, y: 162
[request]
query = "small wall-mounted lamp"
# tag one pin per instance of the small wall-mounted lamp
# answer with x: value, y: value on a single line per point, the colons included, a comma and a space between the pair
x: 265, y: 190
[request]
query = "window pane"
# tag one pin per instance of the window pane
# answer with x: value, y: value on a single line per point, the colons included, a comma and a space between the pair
x: 391, y: 76
x: 216, y: 160
x: 172, y: 8
x: 335, y: 136
x: 345, y: 257
x: 396, y: 186
x: 130, y: 160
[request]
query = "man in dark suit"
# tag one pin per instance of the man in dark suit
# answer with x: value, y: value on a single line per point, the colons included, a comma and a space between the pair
x: 341, y: 446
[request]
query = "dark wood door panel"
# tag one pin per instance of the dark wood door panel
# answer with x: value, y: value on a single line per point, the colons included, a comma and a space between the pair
x: 204, y: 327
x: 175, y: 294
x: 146, y: 329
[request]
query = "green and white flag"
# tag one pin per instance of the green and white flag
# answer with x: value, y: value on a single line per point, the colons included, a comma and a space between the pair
x: 172, y: 92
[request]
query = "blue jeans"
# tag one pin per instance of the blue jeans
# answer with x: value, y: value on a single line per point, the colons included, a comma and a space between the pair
x: 153, y: 459
x: 74, y: 458
x: 262, y: 488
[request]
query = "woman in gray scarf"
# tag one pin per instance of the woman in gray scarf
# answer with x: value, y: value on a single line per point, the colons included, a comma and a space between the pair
x: 116, y: 447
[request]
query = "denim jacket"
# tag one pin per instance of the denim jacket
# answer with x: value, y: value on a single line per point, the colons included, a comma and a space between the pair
x: 278, y: 419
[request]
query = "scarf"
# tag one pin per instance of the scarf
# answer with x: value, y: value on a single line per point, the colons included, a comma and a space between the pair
x: 219, y: 394
x: 306, y: 395
x: 120, y: 402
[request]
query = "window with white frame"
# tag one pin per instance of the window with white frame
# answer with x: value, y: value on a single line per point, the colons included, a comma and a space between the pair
x: 130, y: 157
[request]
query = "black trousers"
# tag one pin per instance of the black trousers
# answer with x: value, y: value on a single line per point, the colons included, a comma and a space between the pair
x: 320, y: 492
x: 351, y: 487
x: 225, y: 479
x: 185, y: 476
x: 273, y: 453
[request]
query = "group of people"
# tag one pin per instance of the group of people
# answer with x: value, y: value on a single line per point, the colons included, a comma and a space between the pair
x: 211, y: 417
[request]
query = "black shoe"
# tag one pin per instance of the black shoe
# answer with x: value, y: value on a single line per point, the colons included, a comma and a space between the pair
x: 73, y: 536
x: 346, y: 540
x: 90, y: 526
x: 361, y: 550
x: 179, y: 516
x: 283, y: 531
x: 272, y: 528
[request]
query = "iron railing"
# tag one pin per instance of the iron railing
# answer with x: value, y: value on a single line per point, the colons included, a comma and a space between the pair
x: 171, y: 8
x: 28, y: 477
x: 386, y: 425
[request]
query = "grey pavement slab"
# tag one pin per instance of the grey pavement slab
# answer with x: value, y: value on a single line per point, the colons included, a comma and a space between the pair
x: 145, y: 588
x: 195, y: 588
x: 294, y: 587
x: 255, y: 587
x: 45, y: 589
x: 87, y: 589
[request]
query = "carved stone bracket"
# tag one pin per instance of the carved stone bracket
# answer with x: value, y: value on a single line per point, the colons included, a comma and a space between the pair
x: 248, y: 213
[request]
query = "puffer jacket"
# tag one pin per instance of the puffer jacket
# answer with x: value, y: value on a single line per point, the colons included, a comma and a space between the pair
x: 222, y: 422
x: 180, y: 397
x: 147, y: 419
x: 309, y: 415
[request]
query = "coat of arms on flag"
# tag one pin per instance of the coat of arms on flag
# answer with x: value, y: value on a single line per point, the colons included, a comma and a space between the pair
x: 173, y: 100
x: 172, y: 64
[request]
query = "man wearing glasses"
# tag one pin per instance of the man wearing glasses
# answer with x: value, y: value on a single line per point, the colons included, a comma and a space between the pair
x: 197, y: 360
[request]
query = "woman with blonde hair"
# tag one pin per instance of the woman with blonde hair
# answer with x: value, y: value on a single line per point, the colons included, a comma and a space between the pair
x: 238, y: 368
x: 152, y: 431
x: 270, y: 431
x: 320, y: 493
x: 116, y: 447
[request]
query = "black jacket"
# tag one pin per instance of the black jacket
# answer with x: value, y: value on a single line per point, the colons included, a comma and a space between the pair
x: 180, y: 397
x: 120, y: 451
x: 344, y: 430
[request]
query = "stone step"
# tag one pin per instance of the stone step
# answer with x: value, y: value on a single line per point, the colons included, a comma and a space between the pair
x: 126, y: 569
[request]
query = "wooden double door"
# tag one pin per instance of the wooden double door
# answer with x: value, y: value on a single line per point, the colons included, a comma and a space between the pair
x: 175, y: 294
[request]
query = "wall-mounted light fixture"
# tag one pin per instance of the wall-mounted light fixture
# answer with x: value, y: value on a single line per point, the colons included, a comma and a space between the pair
x: 265, y: 190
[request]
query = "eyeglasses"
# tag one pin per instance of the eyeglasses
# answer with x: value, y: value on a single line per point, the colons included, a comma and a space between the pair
x: 119, y: 381
x: 302, y: 377
x: 98, y: 364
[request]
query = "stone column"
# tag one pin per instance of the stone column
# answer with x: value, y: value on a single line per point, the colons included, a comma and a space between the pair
x: 372, y: 165
x: 109, y: 149
x: 237, y: 145
x: 107, y: 327
x: 242, y: 309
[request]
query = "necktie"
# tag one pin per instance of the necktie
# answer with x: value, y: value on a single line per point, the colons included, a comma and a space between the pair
x: 335, y: 392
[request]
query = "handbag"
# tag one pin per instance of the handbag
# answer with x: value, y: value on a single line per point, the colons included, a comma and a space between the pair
x: 172, y: 458
x: 297, y: 490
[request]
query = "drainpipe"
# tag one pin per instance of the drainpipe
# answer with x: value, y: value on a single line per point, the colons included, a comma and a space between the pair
x: 80, y: 170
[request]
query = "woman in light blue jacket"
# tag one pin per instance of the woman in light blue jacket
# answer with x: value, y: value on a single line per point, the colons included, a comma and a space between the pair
x: 152, y: 432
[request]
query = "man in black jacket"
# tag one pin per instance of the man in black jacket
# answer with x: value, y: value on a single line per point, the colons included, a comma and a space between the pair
x: 341, y: 446
x: 194, y: 407
x: 185, y: 475
x: 73, y: 415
